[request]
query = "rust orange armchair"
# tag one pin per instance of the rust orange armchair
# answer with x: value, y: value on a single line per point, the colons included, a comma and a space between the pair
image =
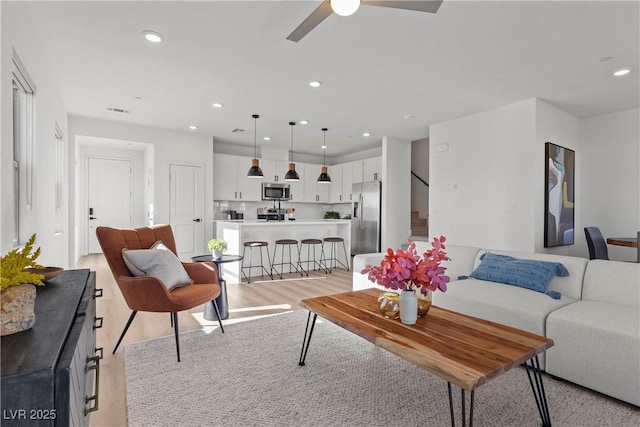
x: 149, y: 293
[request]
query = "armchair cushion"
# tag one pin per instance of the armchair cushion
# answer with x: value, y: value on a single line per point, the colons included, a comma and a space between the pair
x: 157, y: 261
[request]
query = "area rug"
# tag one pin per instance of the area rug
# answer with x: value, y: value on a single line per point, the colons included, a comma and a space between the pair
x: 250, y: 376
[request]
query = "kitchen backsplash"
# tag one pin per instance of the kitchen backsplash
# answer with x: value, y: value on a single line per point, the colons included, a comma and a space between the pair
x: 302, y: 210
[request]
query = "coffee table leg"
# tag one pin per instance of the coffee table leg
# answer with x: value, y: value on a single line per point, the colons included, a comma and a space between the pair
x: 307, y: 338
x: 464, y: 415
x: 538, y: 390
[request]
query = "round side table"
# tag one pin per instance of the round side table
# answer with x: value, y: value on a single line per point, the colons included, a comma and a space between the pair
x: 223, y: 304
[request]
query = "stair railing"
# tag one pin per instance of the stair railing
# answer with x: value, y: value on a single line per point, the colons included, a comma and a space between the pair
x: 420, y: 179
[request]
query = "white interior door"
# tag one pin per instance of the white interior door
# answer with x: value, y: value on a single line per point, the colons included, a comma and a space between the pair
x: 186, y: 209
x: 109, y: 196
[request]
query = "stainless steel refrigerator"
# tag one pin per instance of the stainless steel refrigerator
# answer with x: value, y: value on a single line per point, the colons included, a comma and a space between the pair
x: 365, y: 221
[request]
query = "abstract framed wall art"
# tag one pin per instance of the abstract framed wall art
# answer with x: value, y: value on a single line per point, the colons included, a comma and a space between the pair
x: 559, y: 197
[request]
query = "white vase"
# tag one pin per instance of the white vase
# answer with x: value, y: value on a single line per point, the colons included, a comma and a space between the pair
x: 217, y: 254
x: 408, y: 307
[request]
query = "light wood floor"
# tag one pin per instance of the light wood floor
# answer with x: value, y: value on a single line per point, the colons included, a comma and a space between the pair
x: 260, y: 297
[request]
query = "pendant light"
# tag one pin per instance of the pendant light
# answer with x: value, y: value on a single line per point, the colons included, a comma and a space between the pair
x: 324, y: 177
x: 255, y: 171
x: 291, y: 174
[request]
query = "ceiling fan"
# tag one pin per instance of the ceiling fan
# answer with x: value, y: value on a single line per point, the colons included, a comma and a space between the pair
x: 347, y: 7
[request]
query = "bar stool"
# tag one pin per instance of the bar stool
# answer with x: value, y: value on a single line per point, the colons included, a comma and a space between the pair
x: 251, y: 245
x: 282, y: 243
x: 311, y: 243
x: 334, y: 253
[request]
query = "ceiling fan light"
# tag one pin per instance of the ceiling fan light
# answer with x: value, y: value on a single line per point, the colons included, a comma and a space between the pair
x: 345, y: 7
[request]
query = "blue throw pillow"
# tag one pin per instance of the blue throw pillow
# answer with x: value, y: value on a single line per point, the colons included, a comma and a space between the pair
x: 526, y: 273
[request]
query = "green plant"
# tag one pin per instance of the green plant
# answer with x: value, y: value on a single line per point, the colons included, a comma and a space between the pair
x: 217, y: 245
x: 12, y: 266
x: 332, y: 215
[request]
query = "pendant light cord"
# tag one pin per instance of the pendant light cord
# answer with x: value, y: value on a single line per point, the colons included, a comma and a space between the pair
x: 255, y: 136
x: 291, y: 153
x: 324, y: 145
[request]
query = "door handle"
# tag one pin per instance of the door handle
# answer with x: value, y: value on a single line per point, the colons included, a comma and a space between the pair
x: 197, y: 220
x: 92, y: 217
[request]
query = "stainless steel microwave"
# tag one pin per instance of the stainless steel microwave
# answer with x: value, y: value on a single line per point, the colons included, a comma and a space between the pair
x: 276, y: 191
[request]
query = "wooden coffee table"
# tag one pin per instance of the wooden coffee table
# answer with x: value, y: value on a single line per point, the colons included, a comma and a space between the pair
x: 460, y: 349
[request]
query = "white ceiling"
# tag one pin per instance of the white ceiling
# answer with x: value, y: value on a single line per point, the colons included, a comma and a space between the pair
x: 376, y: 65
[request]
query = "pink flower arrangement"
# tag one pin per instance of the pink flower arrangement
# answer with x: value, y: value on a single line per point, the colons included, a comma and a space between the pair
x: 406, y: 270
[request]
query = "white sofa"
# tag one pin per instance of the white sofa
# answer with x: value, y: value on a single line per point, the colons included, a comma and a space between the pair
x: 595, y: 325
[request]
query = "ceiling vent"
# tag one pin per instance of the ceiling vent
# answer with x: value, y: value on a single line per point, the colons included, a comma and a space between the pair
x: 237, y: 130
x: 118, y: 110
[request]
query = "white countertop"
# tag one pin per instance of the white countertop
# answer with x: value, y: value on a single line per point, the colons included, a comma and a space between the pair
x: 262, y: 222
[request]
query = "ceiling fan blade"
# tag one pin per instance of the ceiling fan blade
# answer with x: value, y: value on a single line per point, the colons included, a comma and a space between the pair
x: 317, y: 16
x: 430, y: 6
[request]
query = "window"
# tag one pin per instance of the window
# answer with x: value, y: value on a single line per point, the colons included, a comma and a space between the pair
x: 23, y: 149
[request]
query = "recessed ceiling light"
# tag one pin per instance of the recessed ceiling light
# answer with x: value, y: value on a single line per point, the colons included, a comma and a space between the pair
x: 407, y: 117
x: 267, y: 138
x: 217, y: 105
x: 304, y: 122
x: 366, y: 134
x: 138, y: 98
x: 606, y: 59
x: 315, y: 84
x: 152, y: 36
x: 193, y: 127
x: 323, y: 146
x: 622, y: 72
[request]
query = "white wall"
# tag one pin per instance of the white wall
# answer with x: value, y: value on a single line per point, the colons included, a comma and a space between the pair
x: 481, y: 177
x: 169, y: 147
x: 609, y: 177
x: 396, y: 192
x: 49, y: 109
x: 485, y: 166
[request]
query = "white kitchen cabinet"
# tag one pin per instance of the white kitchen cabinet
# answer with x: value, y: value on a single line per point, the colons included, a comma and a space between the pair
x: 372, y: 169
x: 224, y: 177
x: 356, y: 171
x: 337, y: 177
x: 314, y: 192
x: 249, y: 189
x: 323, y: 190
x: 230, y: 181
x: 275, y: 170
x: 347, y: 181
x: 268, y: 167
x: 297, y: 187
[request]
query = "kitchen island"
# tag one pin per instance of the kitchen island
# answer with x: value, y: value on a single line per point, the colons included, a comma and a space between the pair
x: 235, y: 233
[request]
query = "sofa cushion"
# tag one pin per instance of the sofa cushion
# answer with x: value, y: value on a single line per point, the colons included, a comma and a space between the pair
x: 614, y: 282
x: 157, y: 261
x: 570, y: 286
x: 597, y: 345
x: 525, y: 273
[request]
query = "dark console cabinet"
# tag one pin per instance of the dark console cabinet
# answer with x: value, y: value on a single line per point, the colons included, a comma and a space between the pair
x: 50, y: 373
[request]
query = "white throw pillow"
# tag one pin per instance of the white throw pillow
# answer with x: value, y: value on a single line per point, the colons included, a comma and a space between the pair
x: 157, y: 261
